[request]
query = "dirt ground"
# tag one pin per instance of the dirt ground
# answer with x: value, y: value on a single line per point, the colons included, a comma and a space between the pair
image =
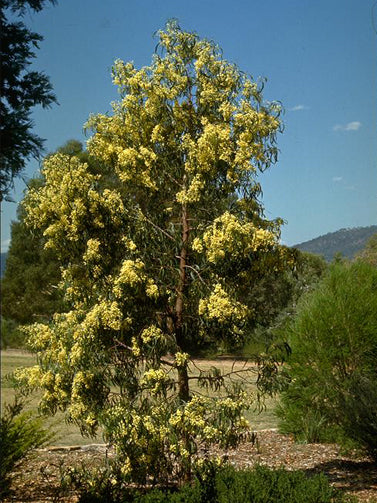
x: 37, y: 479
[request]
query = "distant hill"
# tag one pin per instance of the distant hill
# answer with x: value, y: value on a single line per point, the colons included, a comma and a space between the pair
x: 3, y: 260
x: 346, y: 241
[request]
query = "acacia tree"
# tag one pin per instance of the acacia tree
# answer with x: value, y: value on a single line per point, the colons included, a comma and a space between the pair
x: 157, y: 253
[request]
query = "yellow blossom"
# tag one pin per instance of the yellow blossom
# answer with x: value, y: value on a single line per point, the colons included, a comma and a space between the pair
x: 221, y: 307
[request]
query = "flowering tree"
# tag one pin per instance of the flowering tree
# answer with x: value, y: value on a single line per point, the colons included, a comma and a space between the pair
x: 158, y: 251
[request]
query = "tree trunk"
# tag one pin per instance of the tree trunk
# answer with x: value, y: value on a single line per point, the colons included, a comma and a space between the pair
x: 183, y: 384
x: 183, y: 381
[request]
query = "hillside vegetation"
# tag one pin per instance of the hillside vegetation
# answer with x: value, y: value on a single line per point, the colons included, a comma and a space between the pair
x: 345, y: 241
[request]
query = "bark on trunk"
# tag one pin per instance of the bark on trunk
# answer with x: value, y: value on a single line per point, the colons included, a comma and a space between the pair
x: 183, y: 383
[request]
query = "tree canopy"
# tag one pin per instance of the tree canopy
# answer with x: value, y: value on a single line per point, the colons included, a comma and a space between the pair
x: 157, y: 251
x: 21, y: 89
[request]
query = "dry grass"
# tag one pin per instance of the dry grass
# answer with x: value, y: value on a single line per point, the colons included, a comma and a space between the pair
x: 65, y: 434
x: 68, y: 434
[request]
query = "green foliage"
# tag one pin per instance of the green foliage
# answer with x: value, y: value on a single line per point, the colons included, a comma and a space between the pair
x: 11, y: 335
x: 263, y: 484
x: 19, y: 434
x: 216, y: 485
x: 369, y: 253
x: 30, y: 282
x: 333, y: 366
x: 360, y: 411
x: 20, y: 91
x: 274, y: 297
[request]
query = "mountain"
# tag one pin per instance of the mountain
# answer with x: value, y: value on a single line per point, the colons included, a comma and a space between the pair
x: 345, y: 241
x: 3, y: 260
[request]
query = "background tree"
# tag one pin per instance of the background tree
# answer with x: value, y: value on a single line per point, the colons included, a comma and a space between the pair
x: 20, y: 91
x: 158, y: 254
x: 275, y: 294
x: 30, y: 284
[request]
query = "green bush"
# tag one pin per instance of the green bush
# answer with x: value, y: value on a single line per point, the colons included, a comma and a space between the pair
x: 219, y: 485
x: 263, y: 485
x: 19, y: 434
x: 360, y: 404
x: 333, y: 366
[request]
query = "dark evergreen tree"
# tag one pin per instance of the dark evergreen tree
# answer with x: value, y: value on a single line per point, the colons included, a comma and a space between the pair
x: 29, y: 285
x: 21, y: 89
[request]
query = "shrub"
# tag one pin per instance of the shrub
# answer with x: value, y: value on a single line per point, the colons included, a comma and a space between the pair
x: 222, y: 485
x: 360, y: 404
x: 262, y: 485
x: 333, y: 365
x: 19, y: 434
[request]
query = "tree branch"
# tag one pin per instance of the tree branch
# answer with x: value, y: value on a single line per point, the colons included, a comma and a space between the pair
x: 158, y: 228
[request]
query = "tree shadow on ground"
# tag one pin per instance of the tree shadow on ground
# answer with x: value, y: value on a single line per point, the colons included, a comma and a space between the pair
x: 351, y: 476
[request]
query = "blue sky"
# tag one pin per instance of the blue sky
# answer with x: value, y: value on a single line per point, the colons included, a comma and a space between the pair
x: 319, y: 58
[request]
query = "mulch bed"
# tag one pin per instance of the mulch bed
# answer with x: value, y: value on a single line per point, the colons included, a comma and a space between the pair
x: 37, y: 479
x: 353, y: 472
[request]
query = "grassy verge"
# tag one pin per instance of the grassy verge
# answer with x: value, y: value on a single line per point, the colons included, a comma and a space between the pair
x: 68, y: 434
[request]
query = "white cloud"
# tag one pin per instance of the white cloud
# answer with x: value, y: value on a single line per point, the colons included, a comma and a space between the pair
x: 337, y: 178
x: 5, y: 245
x: 297, y: 108
x: 351, y: 126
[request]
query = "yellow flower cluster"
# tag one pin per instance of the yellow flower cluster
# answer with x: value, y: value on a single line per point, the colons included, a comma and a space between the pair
x: 82, y: 381
x: 199, y: 418
x: 193, y: 193
x: 151, y: 289
x: 129, y: 244
x: 214, y: 144
x: 152, y: 334
x: 39, y: 336
x: 63, y: 205
x: 132, y: 274
x: 156, y: 380
x: 30, y: 377
x: 92, y: 250
x: 105, y: 314
x: 52, y: 383
x: 157, y: 134
x: 221, y: 307
x: 229, y: 236
x: 53, y: 342
x: 181, y: 359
